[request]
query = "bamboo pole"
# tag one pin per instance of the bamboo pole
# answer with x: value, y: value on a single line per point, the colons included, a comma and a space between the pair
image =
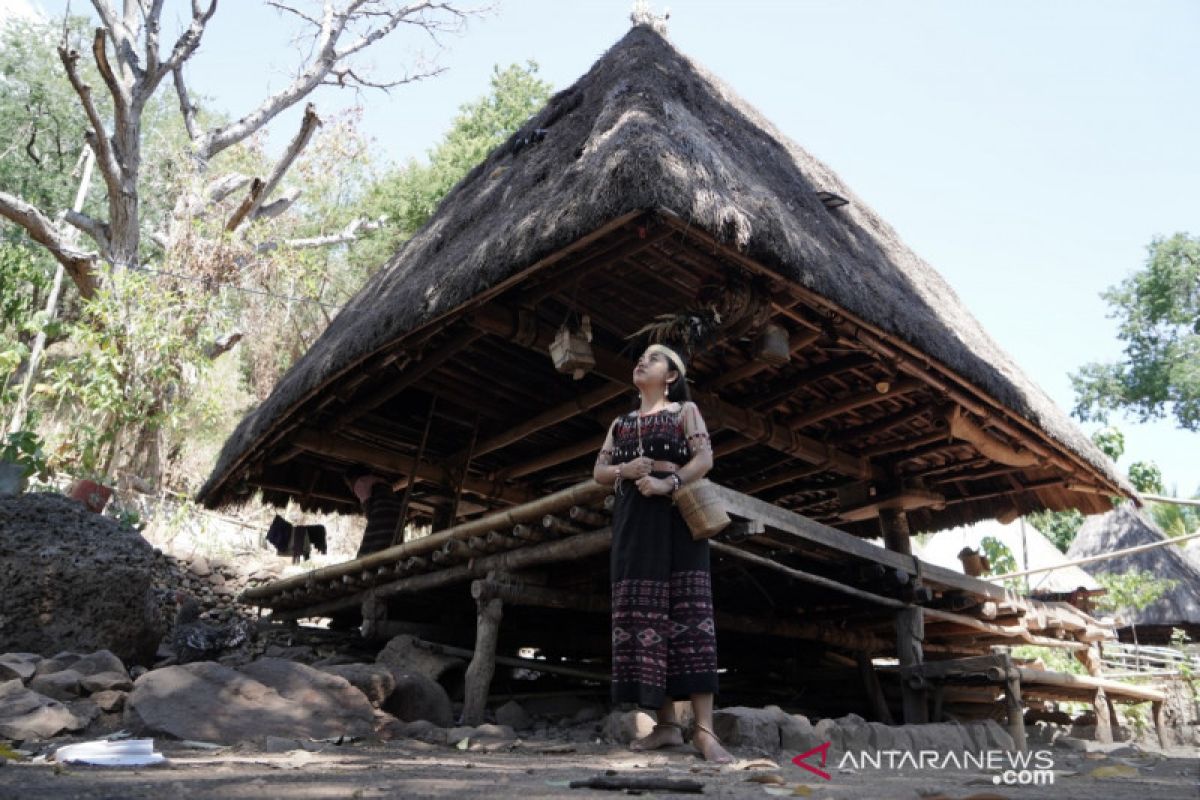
x: 580, y: 494
x: 1031, y: 678
x: 1101, y: 557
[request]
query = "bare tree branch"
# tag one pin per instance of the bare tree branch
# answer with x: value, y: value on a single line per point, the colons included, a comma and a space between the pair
x: 348, y: 234
x: 277, y: 206
x: 261, y: 192
x: 91, y: 226
x: 121, y: 94
x: 109, y: 167
x: 189, y: 40
x: 77, y: 262
x: 185, y: 104
x: 329, y: 30
x: 346, y: 77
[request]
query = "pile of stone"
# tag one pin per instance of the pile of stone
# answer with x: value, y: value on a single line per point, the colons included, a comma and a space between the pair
x: 216, y: 583
x: 44, y: 697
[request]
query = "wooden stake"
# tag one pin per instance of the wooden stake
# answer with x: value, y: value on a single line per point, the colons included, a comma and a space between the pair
x: 483, y: 663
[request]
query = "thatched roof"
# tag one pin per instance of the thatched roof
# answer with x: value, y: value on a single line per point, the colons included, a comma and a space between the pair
x: 647, y: 129
x: 1127, y: 527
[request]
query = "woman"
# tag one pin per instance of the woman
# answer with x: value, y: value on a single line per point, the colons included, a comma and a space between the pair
x: 664, y: 641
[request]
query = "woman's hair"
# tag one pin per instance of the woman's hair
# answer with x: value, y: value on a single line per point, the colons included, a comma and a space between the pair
x: 677, y: 390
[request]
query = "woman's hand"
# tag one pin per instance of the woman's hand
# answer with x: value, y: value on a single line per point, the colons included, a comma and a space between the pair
x: 650, y: 486
x: 637, y: 468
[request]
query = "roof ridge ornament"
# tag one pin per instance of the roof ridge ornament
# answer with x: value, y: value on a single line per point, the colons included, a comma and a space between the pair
x: 643, y: 14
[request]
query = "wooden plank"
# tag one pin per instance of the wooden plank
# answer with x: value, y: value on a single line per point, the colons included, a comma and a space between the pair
x: 910, y: 633
x: 1119, y: 691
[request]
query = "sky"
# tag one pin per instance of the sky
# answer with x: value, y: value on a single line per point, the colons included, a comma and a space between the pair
x: 1029, y: 151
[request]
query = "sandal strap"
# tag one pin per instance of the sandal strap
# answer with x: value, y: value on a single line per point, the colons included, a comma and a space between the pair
x: 710, y: 732
x: 668, y: 725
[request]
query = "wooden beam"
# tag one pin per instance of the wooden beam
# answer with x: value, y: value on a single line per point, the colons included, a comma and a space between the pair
x: 882, y: 425
x: 718, y: 413
x: 439, y: 356
x: 781, y: 390
x: 333, y: 446
x: 823, y: 411
x: 553, y: 416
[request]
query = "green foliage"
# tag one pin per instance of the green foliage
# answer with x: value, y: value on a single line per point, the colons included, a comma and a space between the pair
x: 1146, y: 477
x: 141, y: 344
x: 1132, y: 591
x: 1059, y: 527
x: 1111, y: 442
x: 1159, y: 312
x: 409, y: 195
x: 1001, y: 559
x: 1175, y: 520
x: 25, y: 448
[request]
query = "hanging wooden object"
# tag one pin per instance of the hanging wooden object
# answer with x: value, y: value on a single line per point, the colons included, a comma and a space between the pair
x: 572, y: 349
x: 773, y: 346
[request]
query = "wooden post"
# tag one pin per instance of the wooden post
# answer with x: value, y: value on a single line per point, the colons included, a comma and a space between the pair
x: 1104, y: 732
x: 870, y: 679
x: 910, y: 632
x: 483, y: 662
x: 910, y: 620
x: 894, y: 524
x: 1160, y: 723
x: 1016, y: 709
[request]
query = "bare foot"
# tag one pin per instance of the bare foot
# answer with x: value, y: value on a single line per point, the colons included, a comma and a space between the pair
x: 710, y: 746
x: 661, y: 736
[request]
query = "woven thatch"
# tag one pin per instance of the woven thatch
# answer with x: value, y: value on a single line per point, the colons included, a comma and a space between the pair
x: 1127, y: 527
x: 647, y: 129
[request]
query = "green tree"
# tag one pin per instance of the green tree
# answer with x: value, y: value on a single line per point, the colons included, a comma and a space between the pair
x: 1130, y: 592
x: 408, y: 196
x: 1159, y: 312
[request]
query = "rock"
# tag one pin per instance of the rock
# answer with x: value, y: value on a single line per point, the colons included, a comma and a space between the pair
x: 585, y: 714
x: 513, y: 715
x: 212, y: 703
x: 18, y: 665
x: 625, y: 726
x: 402, y: 654
x: 742, y: 726
x: 199, y: 566
x: 109, y: 700
x: 61, y: 661
x: 106, y: 681
x: 278, y: 744
x: 85, y: 710
x: 495, y: 731
x: 420, y: 729
x: 297, y: 653
x: 25, y: 714
x: 796, y: 735
x: 73, y: 579
x: 373, y: 680
x: 418, y: 696
x: 316, y: 691
x: 940, y: 736
x: 61, y: 685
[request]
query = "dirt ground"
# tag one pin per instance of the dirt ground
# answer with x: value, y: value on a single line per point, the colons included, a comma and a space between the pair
x: 532, y: 770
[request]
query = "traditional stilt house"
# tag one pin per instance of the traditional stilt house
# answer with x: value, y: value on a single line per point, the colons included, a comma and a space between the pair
x: 848, y: 392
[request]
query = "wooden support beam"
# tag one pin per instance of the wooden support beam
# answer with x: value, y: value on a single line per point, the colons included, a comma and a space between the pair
x: 431, y: 361
x: 882, y: 425
x: 798, y: 341
x: 718, y: 414
x: 823, y: 411
x: 564, y: 411
x: 893, y: 524
x: 483, y: 661
x: 1014, y: 707
x: 780, y: 390
x: 334, y: 446
x: 910, y: 633
x: 870, y: 680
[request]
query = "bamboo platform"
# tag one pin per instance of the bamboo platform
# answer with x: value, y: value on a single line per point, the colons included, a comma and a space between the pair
x: 814, y: 584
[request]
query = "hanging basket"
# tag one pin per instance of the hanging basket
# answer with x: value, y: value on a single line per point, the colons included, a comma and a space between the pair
x: 701, y: 509
x: 572, y: 349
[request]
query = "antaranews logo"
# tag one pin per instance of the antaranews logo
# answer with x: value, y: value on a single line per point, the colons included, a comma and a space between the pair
x: 1023, y: 768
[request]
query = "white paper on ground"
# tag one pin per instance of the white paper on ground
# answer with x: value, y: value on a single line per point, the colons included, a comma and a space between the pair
x: 130, y: 752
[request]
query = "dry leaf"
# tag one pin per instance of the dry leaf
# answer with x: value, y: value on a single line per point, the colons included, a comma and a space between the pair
x: 1114, y: 771
x: 766, y: 777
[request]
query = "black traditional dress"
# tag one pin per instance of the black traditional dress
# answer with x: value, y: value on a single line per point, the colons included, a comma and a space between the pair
x: 664, y: 641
